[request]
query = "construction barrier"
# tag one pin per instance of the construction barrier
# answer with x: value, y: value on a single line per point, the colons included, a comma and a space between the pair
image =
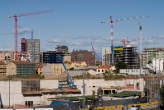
x: 121, y: 106
x: 43, y: 108
x: 112, y: 107
x: 30, y: 109
x: 24, y: 109
x: 6, y: 109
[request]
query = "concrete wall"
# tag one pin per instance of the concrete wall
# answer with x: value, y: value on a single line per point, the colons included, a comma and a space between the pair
x: 15, y: 92
x: 48, y: 84
x: 8, y: 68
x: 11, y: 69
x: 67, y: 58
x: 94, y: 84
x: 16, y: 96
x: 53, y: 70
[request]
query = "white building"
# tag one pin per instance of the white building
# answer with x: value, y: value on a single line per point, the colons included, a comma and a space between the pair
x: 106, y: 51
x: 134, y: 71
x: 157, y: 64
x: 14, y: 95
x: 103, y: 69
x: 33, y: 48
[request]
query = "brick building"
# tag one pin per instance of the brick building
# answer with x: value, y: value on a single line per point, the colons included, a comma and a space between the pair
x: 83, y: 55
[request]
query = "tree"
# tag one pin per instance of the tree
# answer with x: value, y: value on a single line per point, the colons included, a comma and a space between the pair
x: 162, y: 95
x: 120, y: 65
x: 72, y: 68
x: 149, y: 62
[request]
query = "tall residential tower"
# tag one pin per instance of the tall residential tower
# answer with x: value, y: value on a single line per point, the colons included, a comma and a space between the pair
x: 106, y: 56
x: 32, y: 47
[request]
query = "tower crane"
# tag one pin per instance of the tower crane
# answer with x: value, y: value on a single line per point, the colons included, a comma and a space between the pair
x: 92, y: 47
x: 93, y: 51
x: 112, y: 21
x: 16, y: 26
x: 126, y: 41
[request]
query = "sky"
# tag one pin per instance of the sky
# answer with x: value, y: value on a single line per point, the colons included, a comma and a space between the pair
x: 77, y: 23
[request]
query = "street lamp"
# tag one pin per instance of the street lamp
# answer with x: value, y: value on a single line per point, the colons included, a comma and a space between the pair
x: 9, y: 77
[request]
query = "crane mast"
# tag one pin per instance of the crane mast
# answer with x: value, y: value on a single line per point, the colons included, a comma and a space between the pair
x: 16, y: 27
x: 16, y: 36
x: 111, y: 21
x: 112, y: 39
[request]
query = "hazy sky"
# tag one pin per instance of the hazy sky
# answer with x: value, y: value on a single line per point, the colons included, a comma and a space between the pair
x: 76, y: 23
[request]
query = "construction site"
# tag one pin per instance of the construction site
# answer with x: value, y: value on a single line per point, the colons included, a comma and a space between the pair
x: 68, y: 73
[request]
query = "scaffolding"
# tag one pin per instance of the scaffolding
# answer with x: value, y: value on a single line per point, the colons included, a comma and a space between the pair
x: 25, y: 69
x: 130, y: 57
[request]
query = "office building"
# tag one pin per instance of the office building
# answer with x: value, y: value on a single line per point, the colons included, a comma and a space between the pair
x: 54, y: 57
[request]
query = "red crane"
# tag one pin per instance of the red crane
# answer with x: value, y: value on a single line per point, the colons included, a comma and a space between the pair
x: 16, y: 26
x: 126, y: 41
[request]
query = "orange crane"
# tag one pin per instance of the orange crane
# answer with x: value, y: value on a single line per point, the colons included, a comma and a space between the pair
x: 16, y: 26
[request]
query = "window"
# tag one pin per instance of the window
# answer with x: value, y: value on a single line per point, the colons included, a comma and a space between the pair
x: 29, y: 103
x: 106, y: 92
x: 113, y: 91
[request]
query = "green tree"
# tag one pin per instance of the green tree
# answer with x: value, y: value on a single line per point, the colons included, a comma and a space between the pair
x: 162, y: 94
x: 120, y: 65
x: 72, y: 68
x: 149, y: 62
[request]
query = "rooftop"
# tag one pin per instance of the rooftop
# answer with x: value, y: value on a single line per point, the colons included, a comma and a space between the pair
x: 104, y: 67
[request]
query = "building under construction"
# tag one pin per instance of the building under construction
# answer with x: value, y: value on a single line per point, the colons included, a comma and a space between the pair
x: 31, y: 46
x: 118, y: 53
x: 25, y: 69
x: 129, y: 56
